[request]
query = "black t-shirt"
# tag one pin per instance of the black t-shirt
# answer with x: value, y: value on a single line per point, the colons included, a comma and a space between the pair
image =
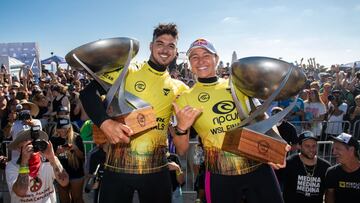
x: 298, y: 187
x: 174, y: 158
x: 73, y: 172
x: 346, y: 185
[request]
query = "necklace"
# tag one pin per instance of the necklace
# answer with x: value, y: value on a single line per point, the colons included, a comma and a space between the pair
x: 309, y: 171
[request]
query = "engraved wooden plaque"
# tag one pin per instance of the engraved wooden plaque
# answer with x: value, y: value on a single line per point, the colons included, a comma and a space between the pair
x: 138, y: 120
x: 254, y: 145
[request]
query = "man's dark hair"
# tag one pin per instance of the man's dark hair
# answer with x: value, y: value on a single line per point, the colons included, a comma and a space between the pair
x: 162, y: 29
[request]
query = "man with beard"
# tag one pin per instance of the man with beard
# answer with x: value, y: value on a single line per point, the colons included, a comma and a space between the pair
x: 139, y: 163
x: 303, y: 177
x: 342, y: 181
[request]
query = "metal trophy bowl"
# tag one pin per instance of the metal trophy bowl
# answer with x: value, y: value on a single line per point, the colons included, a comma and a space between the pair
x: 259, y: 77
x: 268, y: 79
x: 103, y: 55
x: 108, y: 55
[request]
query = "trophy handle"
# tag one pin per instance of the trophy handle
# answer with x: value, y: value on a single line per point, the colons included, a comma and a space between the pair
x: 102, y: 84
x: 119, y: 86
x: 265, y: 125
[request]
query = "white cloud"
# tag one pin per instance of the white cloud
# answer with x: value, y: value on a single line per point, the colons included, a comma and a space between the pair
x: 230, y: 20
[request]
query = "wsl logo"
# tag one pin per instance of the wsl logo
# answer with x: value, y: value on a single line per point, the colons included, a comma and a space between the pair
x: 140, y: 86
x: 203, y: 97
x: 224, y: 108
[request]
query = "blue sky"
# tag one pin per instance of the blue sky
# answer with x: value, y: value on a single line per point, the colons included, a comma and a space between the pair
x: 327, y: 30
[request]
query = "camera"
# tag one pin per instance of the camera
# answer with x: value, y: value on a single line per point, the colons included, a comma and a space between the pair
x: 331, y: 97
x: 38, y: 144
x: 24, y: 115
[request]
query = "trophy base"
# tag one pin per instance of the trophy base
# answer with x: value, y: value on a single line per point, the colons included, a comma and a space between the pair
x: 254, y: 145
x: 138, y: 120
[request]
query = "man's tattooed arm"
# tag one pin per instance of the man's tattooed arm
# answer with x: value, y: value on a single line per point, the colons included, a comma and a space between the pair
x: 21, y: 185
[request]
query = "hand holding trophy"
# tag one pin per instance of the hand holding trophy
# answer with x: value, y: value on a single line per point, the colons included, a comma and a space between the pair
x: 107, y: 55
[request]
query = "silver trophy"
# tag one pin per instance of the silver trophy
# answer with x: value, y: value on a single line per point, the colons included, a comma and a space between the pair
x: 107, y: 55
x: 268, y: 79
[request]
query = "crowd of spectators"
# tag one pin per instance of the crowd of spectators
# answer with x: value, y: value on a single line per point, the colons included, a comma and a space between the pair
x: 328, y: 105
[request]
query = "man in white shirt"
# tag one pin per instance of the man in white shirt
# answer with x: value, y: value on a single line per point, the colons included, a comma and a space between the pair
x: 30, y: 179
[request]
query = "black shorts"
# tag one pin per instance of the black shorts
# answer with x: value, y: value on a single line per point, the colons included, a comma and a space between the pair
x: 120, y: 187
x: 258, y: 186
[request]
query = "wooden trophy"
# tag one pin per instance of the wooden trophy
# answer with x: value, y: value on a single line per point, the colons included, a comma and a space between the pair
x: 108, y: 55
x: 256, y: 139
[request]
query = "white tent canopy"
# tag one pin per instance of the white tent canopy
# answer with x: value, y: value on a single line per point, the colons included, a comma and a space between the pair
x: 11, y: 62
x: 13, y: 65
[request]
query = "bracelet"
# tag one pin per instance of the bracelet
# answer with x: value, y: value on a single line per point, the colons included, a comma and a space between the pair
x: 179, y: 173
x: 24, y: 170
x: 180, y: 132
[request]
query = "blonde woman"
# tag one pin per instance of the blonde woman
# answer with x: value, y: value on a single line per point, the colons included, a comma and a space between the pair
x: 69, y: 148
x: 314, y: 111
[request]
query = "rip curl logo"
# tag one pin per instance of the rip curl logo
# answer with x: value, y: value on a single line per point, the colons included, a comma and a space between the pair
x: 141, y: 119
x: 140, y: 86
x: 263, y: 146
x: 203, y: 97
x: 224, y: 107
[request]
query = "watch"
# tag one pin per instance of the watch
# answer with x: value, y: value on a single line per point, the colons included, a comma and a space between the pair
x: 180, y: 132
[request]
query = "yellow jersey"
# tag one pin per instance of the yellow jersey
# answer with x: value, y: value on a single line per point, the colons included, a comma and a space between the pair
x: 218, y: 115
x: 146, y: 153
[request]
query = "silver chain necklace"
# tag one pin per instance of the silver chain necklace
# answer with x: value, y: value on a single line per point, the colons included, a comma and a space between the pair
x: 309, y: 172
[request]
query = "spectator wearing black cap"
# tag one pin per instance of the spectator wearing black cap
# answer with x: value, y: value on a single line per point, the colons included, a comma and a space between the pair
x: 61, y: 112
x: 69, y: 148
x: 342, y: 181
x: 303, y: 177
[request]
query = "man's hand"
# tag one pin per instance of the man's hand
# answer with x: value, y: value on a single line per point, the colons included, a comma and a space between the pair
x: 116, y: 132
x: 173, y: 166
x: 186, y: 116
x: 26, y: 151
x: 49, y: 152
x: 29, y: 122
x: 279, y: 166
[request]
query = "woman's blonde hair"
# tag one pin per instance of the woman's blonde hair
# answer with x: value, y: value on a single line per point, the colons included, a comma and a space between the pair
x: 71, y: 139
